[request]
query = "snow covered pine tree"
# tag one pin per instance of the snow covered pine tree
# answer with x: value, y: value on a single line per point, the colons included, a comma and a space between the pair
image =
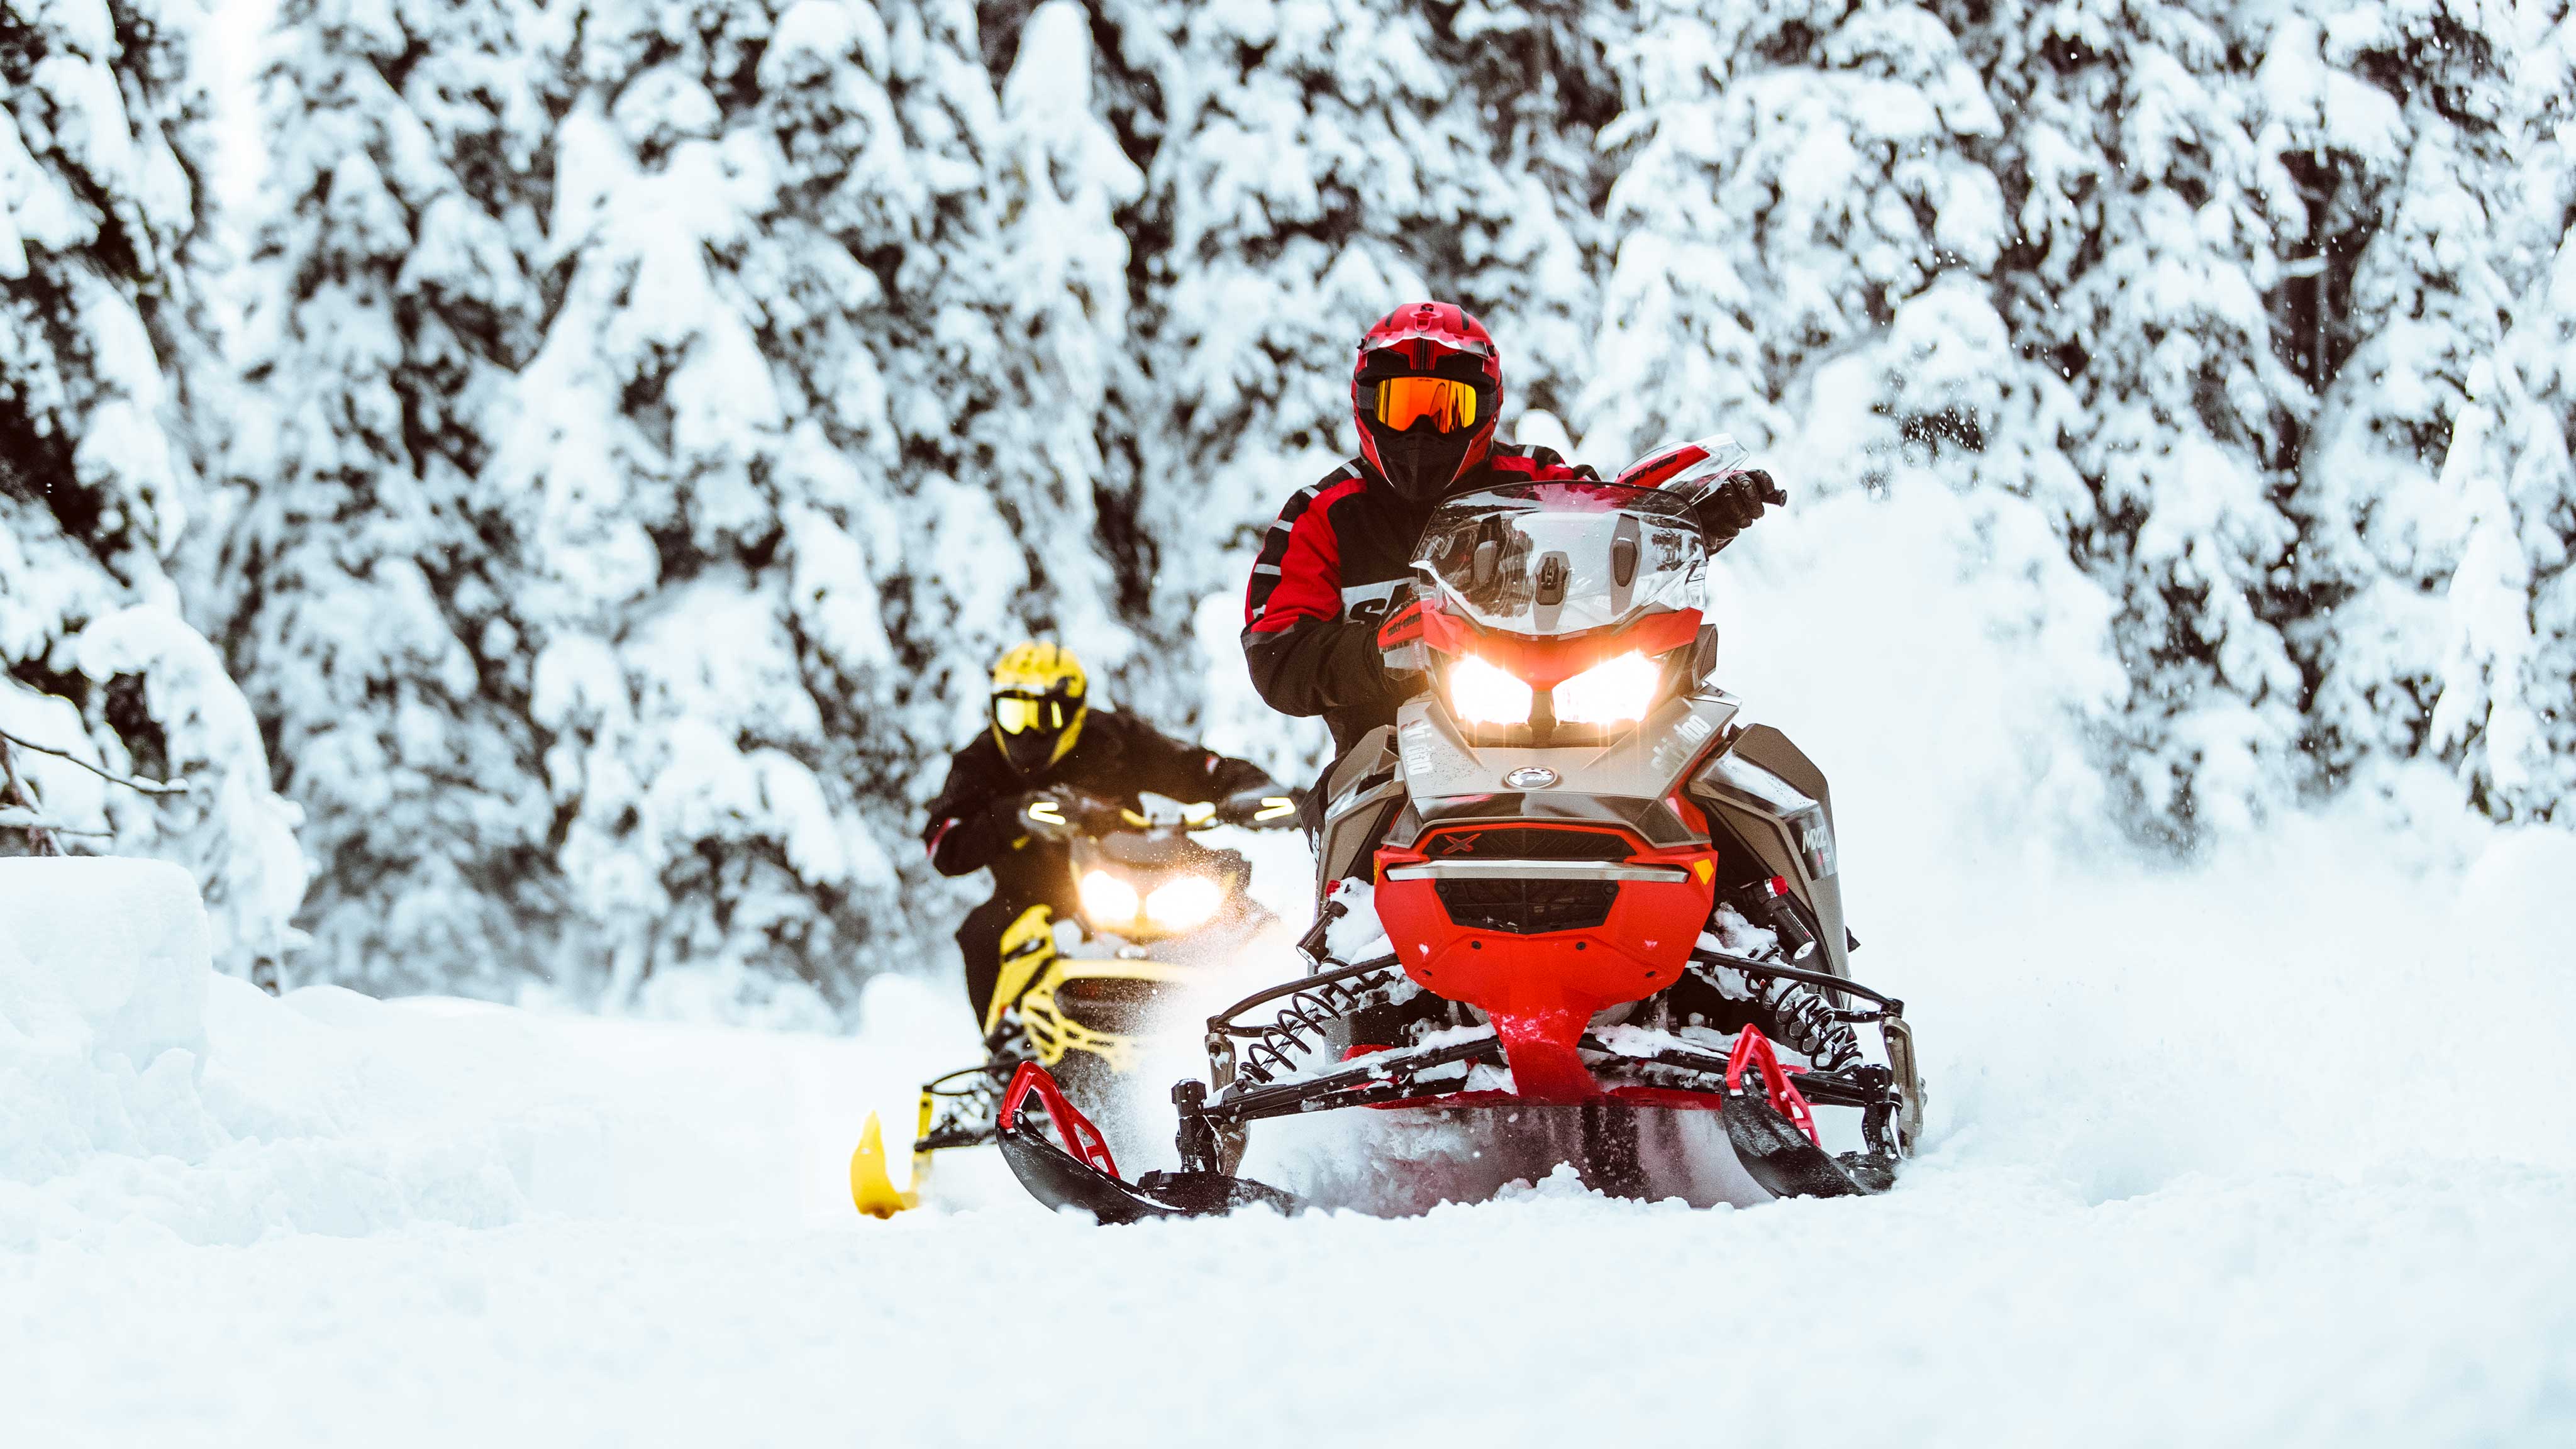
x: 2146, y: 243
x: 1813, y: 250
x: 373, y: 618
x: 2392, y: 123
x: 101, y: 343
x: 2507, y: 711
x: 792, y: 459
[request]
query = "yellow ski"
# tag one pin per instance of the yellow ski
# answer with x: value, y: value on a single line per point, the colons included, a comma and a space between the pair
x: 872, y: 1188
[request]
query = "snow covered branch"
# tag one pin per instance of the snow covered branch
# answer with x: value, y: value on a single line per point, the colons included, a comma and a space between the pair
x: 130, y: 782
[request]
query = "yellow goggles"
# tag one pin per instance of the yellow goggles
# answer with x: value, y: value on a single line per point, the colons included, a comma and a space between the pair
x: 1450, y: 404
x: 1018, y: 713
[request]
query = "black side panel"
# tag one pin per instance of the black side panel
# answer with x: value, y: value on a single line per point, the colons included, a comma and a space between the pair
x: 1767, y: 747
x: 1352, y: 829
x: 1772, y: 750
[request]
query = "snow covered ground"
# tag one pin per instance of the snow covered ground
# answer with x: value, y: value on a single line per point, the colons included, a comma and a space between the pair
x: 433, y: 1222
x: 430, y: 1222
x: 2274, y: 1149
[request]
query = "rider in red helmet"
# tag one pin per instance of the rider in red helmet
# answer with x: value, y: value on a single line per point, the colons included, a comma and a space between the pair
x: 1427, y: 391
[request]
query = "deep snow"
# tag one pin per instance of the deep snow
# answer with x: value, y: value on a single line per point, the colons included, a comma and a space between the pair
x: 434, y: 1222
x: 2271, y: 1149
x: 623, y: 1233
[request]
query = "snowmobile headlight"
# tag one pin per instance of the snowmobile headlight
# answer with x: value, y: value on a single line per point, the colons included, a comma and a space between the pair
x: 1483, y: 694
x: 1184, y: 902
x: 1107, y: 899
x: 1609, y: 692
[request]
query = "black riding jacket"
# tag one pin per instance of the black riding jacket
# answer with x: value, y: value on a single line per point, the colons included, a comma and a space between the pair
x: 975, y: 823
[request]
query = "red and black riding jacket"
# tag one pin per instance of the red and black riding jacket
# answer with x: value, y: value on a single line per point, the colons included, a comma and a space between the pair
x: 1326, y: 571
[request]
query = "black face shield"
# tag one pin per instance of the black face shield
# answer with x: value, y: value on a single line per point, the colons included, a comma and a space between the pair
x: 1422, y: 435
x: 1036, y: 730
x: 1421, y: 462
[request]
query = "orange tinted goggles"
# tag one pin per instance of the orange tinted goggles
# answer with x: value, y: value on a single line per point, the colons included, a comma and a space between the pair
x: 1450, y: 404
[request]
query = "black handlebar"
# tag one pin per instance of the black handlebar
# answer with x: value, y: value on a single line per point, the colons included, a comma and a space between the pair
x: 1071, y: 811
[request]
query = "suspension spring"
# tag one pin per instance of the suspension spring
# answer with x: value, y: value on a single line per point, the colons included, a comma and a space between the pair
x: 1801, y: 1019
x: 1811, y: 1028
x: 1305, y: 1021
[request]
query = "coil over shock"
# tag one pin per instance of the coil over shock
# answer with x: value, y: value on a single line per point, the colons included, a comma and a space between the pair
x: 1802, y: 1020
x: 1809, y: 1027
x: 1305, y: 1020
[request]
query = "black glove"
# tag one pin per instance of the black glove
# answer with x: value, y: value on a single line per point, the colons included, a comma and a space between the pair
x: 1401, y: 658
x: 1734, y: 505
x: 1355, y: 672
x: 1060, y: 812
x: 1263, y: 807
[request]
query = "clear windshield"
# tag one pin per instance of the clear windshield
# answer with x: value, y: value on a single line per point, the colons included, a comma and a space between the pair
x: 1558, y: 558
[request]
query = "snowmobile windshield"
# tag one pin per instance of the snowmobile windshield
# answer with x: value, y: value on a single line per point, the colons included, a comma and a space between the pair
x: 1544, y: 559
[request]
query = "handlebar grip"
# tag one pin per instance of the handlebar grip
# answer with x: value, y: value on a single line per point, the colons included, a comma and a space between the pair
x: 1276, y: 810
x: 1260, y: 809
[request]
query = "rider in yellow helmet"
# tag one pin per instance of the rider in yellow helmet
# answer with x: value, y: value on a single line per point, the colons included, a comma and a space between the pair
x: 1019, y: 789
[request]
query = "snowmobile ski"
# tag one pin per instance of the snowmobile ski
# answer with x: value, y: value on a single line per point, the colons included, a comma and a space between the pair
x: 1080, y: 1173
x: 1778, y: 1156
x: 1774, y: 1133
x: 872, y: 1189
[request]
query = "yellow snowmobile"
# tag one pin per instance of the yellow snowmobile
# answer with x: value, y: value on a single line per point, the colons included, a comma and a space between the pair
x: 1076, y: 996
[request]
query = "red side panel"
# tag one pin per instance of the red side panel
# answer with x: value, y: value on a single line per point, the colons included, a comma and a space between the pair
x: 1402, y: 627
x: 1654, y: 468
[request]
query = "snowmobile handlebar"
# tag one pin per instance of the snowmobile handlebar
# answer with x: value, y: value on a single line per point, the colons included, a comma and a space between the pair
x: 1063, y: 813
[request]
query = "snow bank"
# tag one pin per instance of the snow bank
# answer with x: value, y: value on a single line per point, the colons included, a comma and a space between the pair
x: 2212, y: 1161
x: 2340, y: 991
x: 141, y: 1092
x: 110, y: 1117
x: 108, y: 956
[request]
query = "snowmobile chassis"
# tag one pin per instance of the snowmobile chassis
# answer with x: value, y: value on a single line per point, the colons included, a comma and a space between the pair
x: 1766, y: 1113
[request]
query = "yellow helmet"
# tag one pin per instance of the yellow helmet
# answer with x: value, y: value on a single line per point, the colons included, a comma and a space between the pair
x: 1039, y: 701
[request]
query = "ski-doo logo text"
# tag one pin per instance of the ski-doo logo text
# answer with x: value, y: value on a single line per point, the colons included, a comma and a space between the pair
x: 1367, y: 603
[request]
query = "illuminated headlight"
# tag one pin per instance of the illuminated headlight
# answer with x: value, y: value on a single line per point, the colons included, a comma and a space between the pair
x: 1184, y: 902
x: 1483, y: 694
x: 1107, y: 899
x: 1608, y: 692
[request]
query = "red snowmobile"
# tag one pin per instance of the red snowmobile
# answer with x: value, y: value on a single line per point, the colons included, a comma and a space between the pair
x: 1581, y: 914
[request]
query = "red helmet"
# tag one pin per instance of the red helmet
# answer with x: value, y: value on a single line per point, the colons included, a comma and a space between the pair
x: 1426, y: 391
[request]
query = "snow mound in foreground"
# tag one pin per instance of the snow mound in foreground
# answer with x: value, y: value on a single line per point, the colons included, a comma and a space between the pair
x: 141, y: 1092
x: 110, y: 955
x: 109, y: 1114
